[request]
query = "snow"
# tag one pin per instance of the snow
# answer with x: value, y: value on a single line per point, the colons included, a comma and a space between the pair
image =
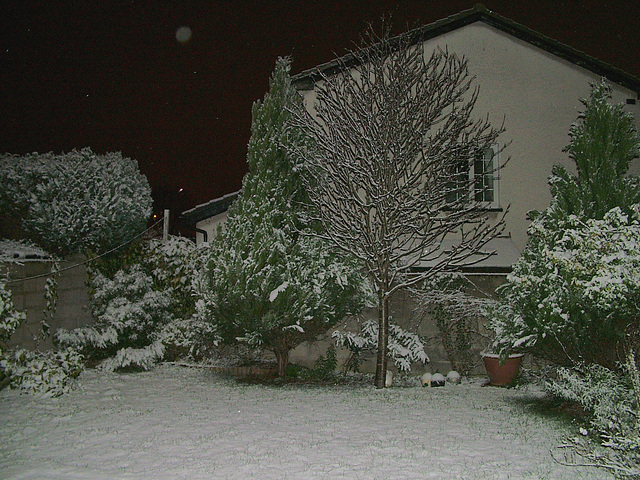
x: 186, y: 423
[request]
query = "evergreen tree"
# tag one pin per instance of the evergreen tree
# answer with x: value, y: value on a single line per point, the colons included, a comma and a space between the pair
x: 604, y: 140
x: 573, y: 295
x: 266, y: 281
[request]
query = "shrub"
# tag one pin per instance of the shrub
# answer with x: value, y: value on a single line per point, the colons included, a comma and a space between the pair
x: 404, y: 349
x: 613, y: 400
x: 48, y: 373
x: 144, y: 311
x: 575, y: 293
x: 75, y: 201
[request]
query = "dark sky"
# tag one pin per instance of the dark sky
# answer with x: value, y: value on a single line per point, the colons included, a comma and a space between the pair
x: 112, y: 76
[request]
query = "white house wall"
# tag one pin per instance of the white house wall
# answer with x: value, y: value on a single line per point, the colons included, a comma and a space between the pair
x: 537, y: 94
x: 210, y: 225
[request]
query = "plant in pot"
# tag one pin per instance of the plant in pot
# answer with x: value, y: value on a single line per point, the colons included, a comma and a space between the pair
x: 501, y: 360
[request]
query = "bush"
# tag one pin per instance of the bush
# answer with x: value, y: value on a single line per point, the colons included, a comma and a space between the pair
x: 574, y: 296
x: 404, y: 349
x: 144, y: 312
x: 613, y: 400
x: 76, y: 201
x: 47, y: 373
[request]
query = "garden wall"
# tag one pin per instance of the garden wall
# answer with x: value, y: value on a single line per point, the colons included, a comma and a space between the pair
x: 28, y: 297
x: 402, y: 311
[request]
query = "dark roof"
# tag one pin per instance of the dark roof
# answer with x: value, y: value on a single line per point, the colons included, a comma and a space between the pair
x: 479, y: 13
x: 209, y: 209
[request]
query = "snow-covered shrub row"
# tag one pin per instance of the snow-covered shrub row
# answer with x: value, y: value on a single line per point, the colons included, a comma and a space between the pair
x: 613, y: 400
x: 75, y: 201
x: 143, y: 312
x: 574, y: 295
x: 404, y: 349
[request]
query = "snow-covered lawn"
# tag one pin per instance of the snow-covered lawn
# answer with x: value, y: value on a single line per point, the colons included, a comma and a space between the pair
x: 182, y: 423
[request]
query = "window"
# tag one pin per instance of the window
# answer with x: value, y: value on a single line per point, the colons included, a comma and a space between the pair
x: 478, y: 180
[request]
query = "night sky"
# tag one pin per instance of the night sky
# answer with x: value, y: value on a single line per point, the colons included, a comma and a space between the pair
x: 122, y: 76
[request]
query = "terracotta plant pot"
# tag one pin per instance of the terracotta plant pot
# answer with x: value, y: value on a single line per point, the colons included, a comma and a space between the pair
x: 501, y: 375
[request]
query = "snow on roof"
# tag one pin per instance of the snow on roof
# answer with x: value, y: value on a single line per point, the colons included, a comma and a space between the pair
x: 210, y: 208
x: 16, y: 251
x: 479, y: 13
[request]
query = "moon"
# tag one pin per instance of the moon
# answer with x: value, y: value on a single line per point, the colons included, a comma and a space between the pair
x: 183, y: 34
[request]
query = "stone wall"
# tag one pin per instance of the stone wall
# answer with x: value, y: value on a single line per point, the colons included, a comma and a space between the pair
x: 28, y: 297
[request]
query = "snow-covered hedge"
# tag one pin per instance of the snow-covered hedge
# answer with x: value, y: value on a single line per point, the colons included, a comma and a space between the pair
x: 75, y: 201
x: 575, y: 293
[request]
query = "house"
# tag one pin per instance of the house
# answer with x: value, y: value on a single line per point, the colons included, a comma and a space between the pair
x: 530, y: 81
x: 533, y: 84
x: 206, y: 218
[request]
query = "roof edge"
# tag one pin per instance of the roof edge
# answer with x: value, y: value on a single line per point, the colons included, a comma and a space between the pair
x: 305, y: 80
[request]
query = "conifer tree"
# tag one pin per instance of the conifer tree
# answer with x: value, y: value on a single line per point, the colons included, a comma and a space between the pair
x: 266, y: 282
x: 573, y: 295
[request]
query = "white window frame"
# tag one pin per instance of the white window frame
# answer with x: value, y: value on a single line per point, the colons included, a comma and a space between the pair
x: 492, y: 172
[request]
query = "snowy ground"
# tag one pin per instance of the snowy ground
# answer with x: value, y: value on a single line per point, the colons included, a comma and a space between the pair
x: 182, y: 423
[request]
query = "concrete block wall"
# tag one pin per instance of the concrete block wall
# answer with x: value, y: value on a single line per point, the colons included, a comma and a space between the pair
x: 28, y: 296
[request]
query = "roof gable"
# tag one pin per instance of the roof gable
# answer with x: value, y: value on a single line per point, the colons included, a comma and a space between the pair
x: 480, y: 13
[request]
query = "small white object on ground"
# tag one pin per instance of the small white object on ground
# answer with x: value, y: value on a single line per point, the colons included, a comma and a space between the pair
x: 437, y: 380
x: 453, y: 377
x: 389, y: 379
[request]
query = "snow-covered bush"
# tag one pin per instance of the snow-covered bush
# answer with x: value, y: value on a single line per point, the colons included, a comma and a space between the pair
x: 144, y: 311
x: 50, y: 373
x: 128, y: 313
x: 190, y: 338
x: 75, y: 201
x: 574, y: 295
x: 446, y: 300
x: 404, y: 349
x: 613, y: 400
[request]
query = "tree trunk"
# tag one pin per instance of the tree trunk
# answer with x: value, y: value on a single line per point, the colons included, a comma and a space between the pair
x: 282, y: 355
x: 383, y: 339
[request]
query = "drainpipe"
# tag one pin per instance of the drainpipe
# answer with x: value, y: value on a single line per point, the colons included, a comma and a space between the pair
x: 205, y: 237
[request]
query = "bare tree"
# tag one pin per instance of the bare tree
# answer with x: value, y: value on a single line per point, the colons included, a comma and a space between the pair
x: 388, y: 169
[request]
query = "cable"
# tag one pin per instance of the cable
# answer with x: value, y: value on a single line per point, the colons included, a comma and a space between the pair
x: 86, y: 261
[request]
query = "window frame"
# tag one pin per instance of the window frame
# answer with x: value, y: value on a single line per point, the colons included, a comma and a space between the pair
x: 470, y: 179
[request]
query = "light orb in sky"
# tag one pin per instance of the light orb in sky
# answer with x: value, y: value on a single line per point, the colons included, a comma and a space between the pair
x: 183, y: 34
